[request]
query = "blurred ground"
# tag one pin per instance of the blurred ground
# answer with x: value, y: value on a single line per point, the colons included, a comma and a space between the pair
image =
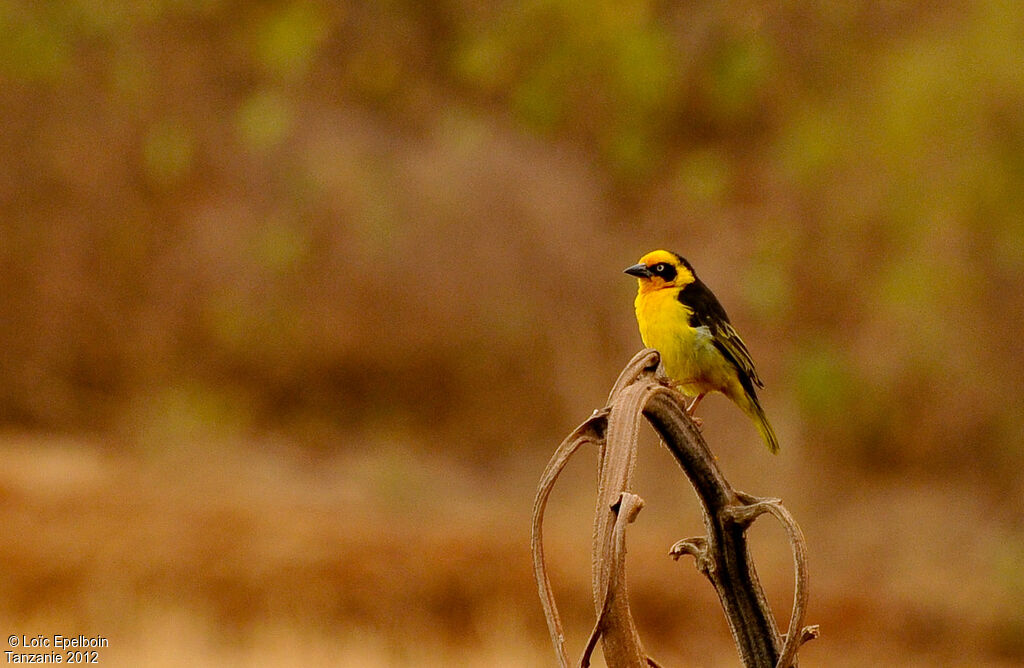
x: 297, y: 298
x: 229, y: 556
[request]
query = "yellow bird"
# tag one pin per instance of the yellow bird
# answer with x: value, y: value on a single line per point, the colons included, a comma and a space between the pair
x: 700, y: 351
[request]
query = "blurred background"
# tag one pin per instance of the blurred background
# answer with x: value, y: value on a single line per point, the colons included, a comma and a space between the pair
x: 297, y: 298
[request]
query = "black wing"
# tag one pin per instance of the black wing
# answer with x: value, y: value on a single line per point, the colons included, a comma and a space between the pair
x: 708, y: 312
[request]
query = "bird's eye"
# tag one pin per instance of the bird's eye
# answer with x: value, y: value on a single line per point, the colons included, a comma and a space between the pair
x: 664, y: 271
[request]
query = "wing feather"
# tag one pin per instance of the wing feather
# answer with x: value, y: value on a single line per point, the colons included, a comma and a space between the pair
x: 708, y: 312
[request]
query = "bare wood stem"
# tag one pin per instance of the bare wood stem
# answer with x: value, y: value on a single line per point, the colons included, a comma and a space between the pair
x: 731, y: 571
x: 721, y: 555
x: 591, y: 431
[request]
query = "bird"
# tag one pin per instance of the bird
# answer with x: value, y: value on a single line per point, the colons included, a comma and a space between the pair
x: 700, y: 350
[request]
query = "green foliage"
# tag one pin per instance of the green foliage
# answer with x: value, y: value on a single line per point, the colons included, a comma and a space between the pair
x: 705, y: 176
x: 739, y: 71
x: 766, y: 285
x: 261, y: 164
x: 606, y: 71
x: 33, y: 46
x: 824, y: 382
x: 287, y: 37
x: 279, y: 247
x: 264, y: 120
x: 813, y: 143
x: 167, y: 152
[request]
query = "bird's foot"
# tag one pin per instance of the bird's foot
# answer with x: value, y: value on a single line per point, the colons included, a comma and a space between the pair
x: 672, y: 384
x: 692, y: 408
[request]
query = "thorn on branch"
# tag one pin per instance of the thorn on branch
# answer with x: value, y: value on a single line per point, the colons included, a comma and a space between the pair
x: 752, y: 508
x: 807, y: 633
x: 698, y: 547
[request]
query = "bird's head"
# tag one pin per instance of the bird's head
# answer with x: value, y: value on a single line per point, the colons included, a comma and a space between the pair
x: 661, y: 269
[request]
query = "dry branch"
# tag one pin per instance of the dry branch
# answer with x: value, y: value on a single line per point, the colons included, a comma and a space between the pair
x: 721, y: 554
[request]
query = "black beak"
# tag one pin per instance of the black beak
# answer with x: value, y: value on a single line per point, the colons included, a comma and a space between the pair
x: 638, y: 270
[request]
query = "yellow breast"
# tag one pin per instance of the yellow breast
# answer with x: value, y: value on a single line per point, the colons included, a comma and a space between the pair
x: 688, y: 354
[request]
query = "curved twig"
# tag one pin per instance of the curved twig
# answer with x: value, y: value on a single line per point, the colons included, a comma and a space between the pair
x: 624, y: 640
x: 591, y: 431
x: 744, y: 515
x: 626, y: 509
x: 620, y: 640
x: 726, y: 561
x: 721, y: 554
x: 644, y: 363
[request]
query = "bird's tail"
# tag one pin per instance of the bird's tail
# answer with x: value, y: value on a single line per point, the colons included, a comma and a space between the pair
x: 763, y: 426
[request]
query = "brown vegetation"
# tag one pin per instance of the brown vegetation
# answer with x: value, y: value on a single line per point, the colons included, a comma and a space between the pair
x: 285, y: 291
